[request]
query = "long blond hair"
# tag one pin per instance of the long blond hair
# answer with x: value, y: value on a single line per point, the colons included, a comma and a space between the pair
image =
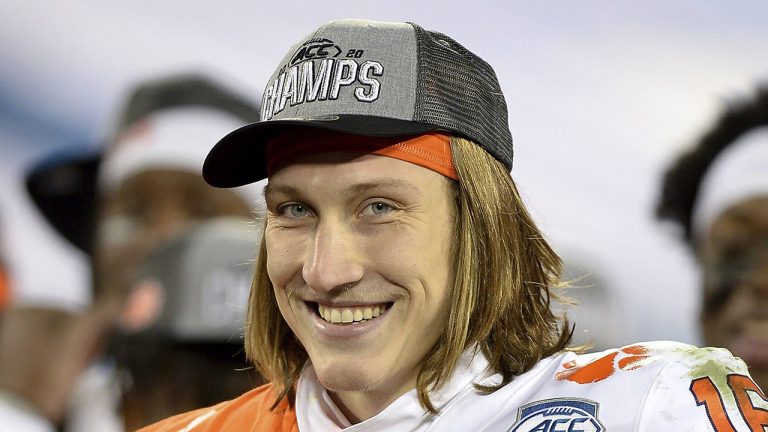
x: 505, y: 272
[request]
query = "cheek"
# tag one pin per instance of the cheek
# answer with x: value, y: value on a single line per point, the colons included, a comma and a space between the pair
x: 284, y: 252
x: 436, y: 251
x: 415, y: 258
x: 284, y: 306
x: 280, y: 269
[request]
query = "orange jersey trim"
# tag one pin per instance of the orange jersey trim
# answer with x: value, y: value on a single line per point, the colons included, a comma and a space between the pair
x: 247, y: 413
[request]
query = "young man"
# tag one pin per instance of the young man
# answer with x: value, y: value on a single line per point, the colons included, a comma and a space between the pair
x: 718, y: 193
x: 402, y: 285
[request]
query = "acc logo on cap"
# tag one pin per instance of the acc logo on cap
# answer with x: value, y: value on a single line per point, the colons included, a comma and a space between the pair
x: 315, y: 48
x: 558, y: 415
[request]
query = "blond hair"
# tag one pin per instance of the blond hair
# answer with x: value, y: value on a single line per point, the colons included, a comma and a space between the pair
x: 504, y: 273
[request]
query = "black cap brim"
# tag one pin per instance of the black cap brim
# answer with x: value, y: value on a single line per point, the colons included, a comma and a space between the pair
x: 239, y: 158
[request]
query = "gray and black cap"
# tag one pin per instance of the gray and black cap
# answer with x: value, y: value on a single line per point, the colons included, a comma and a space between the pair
x: 373, y: 79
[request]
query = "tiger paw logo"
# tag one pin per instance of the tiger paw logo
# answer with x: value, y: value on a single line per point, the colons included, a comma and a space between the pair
x: 558, y: 415
x: 625, y: 359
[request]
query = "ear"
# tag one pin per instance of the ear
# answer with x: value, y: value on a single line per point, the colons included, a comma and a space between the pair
x: 143, y: 306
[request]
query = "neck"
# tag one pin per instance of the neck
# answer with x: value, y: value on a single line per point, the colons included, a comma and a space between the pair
x: 358, y: 406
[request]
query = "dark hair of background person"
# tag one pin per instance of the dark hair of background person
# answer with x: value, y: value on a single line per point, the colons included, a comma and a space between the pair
x: 683, y: 178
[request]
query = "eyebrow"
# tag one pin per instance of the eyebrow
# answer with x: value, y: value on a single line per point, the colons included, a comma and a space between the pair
x: 357, y: 188
x: 381, y: 182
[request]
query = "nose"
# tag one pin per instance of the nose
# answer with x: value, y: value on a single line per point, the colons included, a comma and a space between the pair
x: 332, y: 260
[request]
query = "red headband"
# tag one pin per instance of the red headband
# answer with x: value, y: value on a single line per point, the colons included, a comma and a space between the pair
x: 432, y: 150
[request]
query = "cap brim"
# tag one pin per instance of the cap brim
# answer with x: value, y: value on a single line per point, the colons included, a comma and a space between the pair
x: 64, y: 189
x: 239, y: 158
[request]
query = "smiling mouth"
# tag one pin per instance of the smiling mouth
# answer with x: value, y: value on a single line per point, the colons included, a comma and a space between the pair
x: 351, y: 315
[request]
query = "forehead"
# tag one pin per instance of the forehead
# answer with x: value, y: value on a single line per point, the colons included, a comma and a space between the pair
x: 344, y: 170
x: 748, y: 217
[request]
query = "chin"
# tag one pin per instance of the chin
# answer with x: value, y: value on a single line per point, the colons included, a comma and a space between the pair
x: 343, y: 378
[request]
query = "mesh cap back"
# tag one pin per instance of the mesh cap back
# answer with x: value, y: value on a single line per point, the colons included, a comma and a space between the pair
x: 459, y: 91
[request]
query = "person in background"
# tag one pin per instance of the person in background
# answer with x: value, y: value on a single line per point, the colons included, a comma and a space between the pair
x: 402, y: 284
x: 151, y: 226
x: 47, y: 334
x: 717, y: 192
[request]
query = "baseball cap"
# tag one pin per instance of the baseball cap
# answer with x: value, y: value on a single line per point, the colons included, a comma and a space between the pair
x: 369, y: 78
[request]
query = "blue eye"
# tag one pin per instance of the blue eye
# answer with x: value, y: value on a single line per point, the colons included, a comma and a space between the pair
x: 294, y: 210
x: 380, y: 208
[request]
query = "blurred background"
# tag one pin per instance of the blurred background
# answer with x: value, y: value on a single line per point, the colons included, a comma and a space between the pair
x: 602, y: 96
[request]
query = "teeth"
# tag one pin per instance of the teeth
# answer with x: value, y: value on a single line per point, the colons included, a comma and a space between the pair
x: 346, y: 316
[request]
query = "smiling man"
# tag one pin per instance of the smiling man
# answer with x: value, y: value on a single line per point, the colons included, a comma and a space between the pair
x: 357, y: 255
x: 401, y: 284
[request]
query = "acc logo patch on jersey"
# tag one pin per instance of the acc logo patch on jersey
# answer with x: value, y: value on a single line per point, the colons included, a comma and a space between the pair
x: 558, y: 415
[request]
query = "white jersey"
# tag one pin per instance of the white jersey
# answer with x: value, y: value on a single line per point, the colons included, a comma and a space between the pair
x: 648, y: 387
